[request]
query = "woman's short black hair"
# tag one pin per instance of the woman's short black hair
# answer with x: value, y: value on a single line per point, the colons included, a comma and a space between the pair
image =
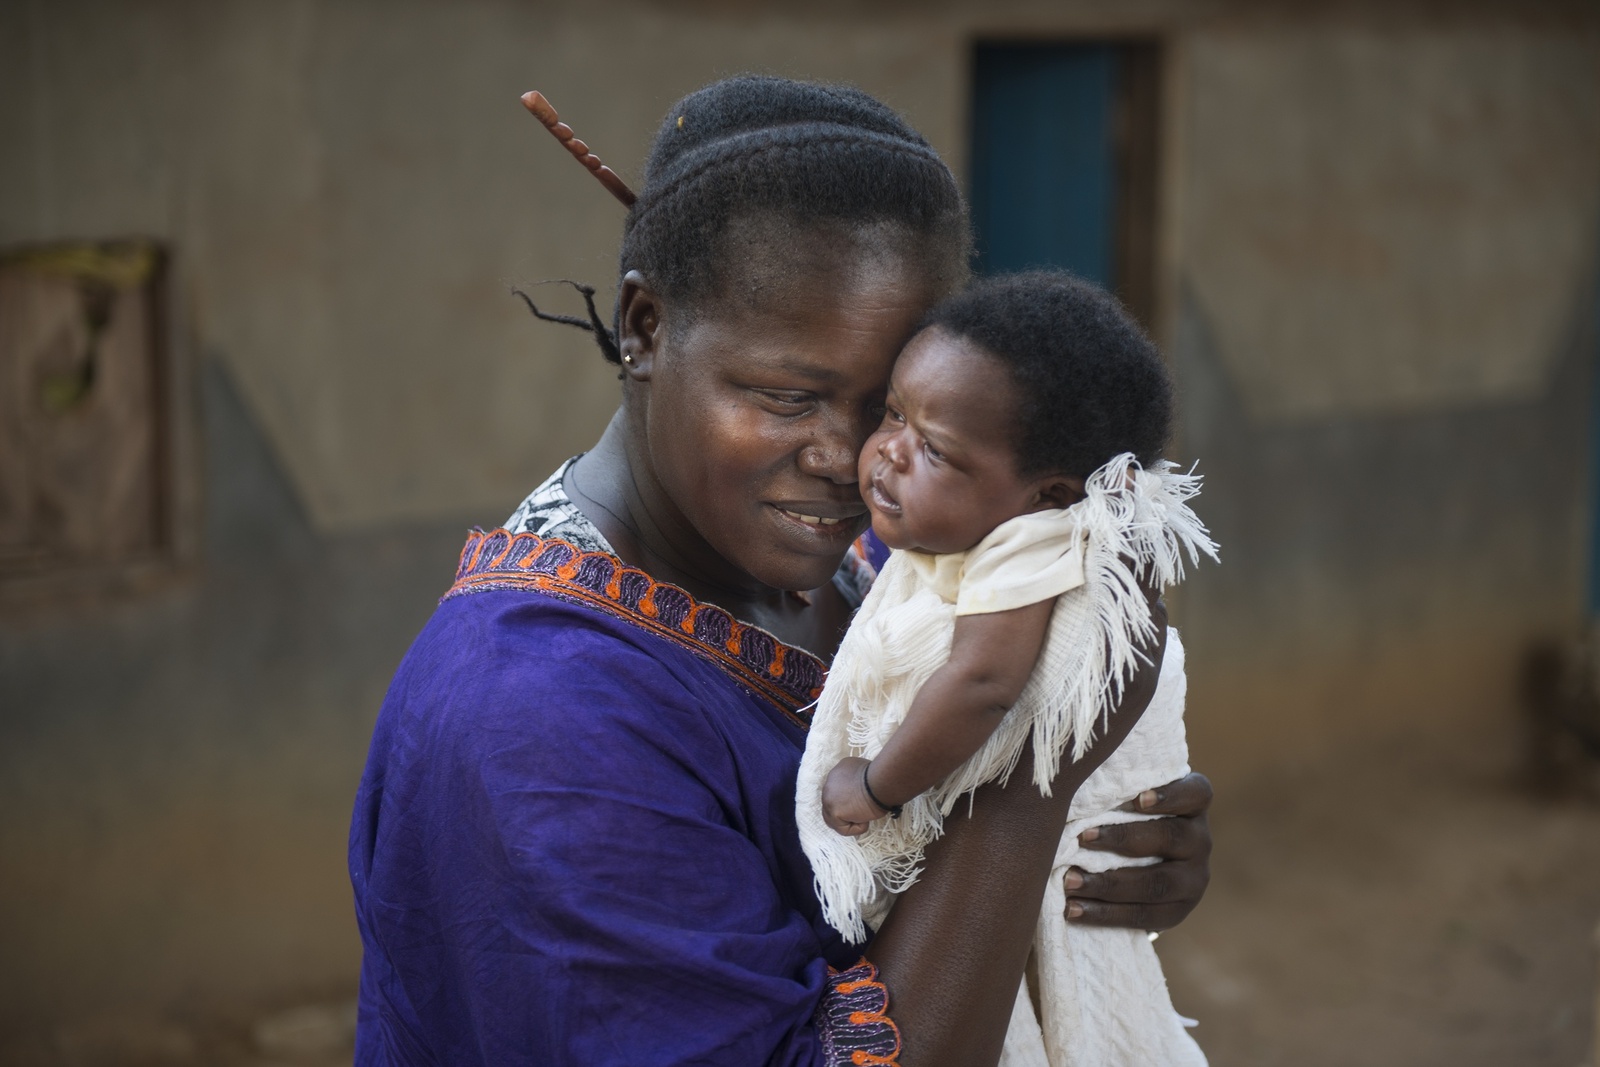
x: 788, y: 154
x: 1090, y: 384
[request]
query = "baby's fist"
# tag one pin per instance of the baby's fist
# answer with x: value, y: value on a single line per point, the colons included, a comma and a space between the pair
x: 846, y: 808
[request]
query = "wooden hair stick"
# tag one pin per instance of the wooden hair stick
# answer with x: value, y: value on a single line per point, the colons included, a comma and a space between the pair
x: 536, y: 103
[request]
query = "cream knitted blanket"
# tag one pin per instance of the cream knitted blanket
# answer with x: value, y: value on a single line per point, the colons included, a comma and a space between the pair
x: 1102, y: 996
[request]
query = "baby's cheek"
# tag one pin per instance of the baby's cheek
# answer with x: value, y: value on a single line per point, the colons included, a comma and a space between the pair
x: 864, y: 461
x: 889, y: 532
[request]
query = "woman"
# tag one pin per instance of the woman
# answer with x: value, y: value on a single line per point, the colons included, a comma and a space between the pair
x: 574, y: 841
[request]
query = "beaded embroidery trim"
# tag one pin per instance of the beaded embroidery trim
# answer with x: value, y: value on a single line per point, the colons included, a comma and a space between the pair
x: 789, y: 677
x: 853, y: 1020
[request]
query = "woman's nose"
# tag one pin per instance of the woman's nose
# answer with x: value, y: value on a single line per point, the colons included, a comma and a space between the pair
x: 833, y: 458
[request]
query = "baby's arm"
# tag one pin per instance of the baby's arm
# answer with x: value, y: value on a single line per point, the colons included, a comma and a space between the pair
x: 991, y: 658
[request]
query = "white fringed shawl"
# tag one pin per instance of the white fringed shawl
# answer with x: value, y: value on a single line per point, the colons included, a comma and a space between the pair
x: 1133, y: 522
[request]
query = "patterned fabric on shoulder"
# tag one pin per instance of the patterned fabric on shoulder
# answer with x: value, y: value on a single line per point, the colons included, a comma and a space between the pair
x: 549, y: 512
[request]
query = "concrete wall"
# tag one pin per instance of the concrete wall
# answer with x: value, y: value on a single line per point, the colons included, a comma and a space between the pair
x: 1384, y: 333
x: 176, y: 771
x: 1378, y: 249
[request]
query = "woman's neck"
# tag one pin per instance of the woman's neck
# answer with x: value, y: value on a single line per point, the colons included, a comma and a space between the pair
x: 617, y: 493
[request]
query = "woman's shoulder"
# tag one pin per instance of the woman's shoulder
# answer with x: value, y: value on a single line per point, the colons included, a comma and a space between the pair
x: 512, y: 690
x: 627, y: 604
x: 533, y: 627
x: 524, y: 651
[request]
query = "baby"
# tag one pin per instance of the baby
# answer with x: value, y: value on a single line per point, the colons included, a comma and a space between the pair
x: 1017, y: 475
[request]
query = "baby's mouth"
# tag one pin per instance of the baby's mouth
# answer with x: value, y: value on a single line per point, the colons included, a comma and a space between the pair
x: 880, y: 498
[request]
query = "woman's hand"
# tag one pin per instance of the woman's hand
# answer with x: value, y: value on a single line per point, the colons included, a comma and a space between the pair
x: 1162, y: 895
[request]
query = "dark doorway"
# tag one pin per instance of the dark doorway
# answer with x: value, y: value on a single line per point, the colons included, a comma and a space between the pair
x: 1064, y: 140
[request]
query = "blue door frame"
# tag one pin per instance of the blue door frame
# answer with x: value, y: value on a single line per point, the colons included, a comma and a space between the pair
x: 1043, y: 162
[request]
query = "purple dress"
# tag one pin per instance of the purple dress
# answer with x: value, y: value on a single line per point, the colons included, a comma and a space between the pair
x: 574, y: 842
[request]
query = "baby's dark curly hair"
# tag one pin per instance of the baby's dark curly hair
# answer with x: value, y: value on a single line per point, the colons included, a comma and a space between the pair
x: 742, y: 167
x: 1091, y: 385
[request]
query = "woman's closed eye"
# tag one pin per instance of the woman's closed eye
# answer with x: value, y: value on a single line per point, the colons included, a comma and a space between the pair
x: 788, y: 401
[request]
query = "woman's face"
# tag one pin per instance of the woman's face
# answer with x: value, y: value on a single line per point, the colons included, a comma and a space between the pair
x: 756, y: 408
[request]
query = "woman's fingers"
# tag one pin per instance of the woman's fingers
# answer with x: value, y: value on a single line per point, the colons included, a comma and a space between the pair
x: 1161, y: 895
x: 1189, y: 795
x: 1137, y: 898
x: 1158, y: 885
x: 1128, y: 916
x: 1171, y: 838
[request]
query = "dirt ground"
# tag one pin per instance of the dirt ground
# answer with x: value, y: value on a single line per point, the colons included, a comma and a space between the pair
x: 1406, y: 909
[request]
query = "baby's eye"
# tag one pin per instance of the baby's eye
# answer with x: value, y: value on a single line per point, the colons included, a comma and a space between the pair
x: 933, y: 453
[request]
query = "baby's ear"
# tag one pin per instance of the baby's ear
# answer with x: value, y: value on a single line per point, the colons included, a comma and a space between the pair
x: 1057, y: 491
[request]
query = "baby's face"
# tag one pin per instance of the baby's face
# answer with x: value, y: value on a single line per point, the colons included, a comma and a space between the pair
x: 941, y: 470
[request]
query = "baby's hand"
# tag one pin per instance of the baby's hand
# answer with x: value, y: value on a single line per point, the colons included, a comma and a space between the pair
x: 846, y: 808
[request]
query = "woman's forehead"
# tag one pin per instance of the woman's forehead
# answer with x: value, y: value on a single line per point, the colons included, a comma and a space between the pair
x: 773, y: 264
x: 823, y: 328
x: 838, y: 298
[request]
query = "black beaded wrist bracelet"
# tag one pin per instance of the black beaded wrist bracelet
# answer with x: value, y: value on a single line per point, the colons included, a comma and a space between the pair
x: 893, y: 811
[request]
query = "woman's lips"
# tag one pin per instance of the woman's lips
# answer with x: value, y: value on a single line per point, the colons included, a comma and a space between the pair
x: 826, y: 520
x: 812, y: 520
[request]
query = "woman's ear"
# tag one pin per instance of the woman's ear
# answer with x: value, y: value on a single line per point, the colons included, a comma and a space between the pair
x: 638, y: 326
x: 1056, y: 491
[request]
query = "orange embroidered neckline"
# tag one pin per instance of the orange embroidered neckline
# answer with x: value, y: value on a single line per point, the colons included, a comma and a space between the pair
x: 789, y: 677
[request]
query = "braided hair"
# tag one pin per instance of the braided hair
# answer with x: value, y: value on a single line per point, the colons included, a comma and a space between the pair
x: 1091, y: 384
x: 749, y: 161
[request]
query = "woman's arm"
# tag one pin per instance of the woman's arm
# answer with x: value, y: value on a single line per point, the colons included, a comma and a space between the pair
x: 953, y: 948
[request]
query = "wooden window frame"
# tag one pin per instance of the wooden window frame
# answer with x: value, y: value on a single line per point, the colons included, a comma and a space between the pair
x: 48, y: 581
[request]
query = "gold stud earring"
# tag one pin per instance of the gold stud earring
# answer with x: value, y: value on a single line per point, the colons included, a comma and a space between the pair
x: 627, y: 359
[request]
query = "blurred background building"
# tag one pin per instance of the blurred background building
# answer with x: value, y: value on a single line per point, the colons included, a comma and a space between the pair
x: 261, y: 369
